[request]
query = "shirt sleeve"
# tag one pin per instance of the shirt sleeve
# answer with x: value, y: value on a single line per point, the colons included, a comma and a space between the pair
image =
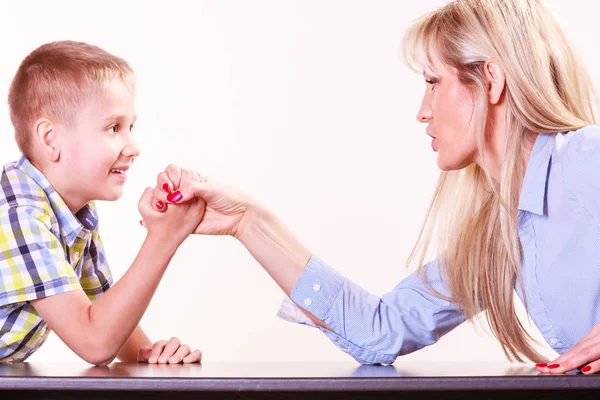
x: 373, y: 329
x: 96, y: 277
x: 32, y: 259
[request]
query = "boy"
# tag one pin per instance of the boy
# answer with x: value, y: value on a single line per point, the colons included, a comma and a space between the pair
x: 72, y: 108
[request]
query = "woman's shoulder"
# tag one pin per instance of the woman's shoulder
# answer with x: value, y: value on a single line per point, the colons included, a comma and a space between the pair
x: 579, y: 143
x: 579, y: 154
x: 579, y: 149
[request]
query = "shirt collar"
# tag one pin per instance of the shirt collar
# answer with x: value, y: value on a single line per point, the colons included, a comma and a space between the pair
x: 533, y: 191
x: 70, y: 225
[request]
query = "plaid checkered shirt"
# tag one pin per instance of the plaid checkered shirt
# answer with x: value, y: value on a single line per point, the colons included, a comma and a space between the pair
x: 44, y: 250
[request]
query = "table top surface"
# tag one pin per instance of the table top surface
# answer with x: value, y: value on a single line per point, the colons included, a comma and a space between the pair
x: 292, y: 376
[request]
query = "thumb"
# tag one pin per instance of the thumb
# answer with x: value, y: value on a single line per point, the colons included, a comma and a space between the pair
x: 145, y: 203
x: 144, y: 353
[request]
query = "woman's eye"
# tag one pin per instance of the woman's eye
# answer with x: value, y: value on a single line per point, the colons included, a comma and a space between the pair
x: 114, y: 128
x: 432, y: 82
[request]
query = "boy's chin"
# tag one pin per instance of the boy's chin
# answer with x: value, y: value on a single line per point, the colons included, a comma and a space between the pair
x: 112, y: 196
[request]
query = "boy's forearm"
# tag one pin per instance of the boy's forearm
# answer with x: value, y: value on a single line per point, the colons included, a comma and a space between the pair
x: 131, y: 349
x: 117, y: 313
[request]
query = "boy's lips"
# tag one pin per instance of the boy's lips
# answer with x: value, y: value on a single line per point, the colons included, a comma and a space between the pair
x: 120, y: 172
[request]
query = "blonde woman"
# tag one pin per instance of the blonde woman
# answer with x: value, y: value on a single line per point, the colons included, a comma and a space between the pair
x: 511, y: 113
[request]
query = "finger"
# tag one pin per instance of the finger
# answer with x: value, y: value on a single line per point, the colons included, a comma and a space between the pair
x: 194, y: 357
x: 164, y: 183
x: 169, y: 350
x: 591, y: 368
x: 143, y: 223
x: 157, y: 349
x: 198, y: 177
x: 185, y: 179
x: 181, y: 352
x: 174, y: 175
x: 203, y: 190
x: 158, y: 205
x: 160, y: 194
x: 144, y: 353
x: 582, y: 353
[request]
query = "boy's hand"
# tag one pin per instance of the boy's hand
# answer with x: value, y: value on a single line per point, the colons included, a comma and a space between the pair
x: 171, y: 352
x: 179, y: 222
x: 226, y: 208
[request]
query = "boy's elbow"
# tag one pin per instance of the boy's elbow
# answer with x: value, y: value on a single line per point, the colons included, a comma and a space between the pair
x: 99, y: 358
x: 99, y: 353
x: 99, y: 361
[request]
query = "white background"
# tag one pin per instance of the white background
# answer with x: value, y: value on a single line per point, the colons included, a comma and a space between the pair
x: 307, y: 106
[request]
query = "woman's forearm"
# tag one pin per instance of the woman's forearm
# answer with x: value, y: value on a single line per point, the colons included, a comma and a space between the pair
x: 276, y: 249
x: 273, y: 246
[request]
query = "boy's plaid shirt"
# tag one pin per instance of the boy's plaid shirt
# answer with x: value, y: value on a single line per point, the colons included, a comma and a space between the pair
x: 44, y: 250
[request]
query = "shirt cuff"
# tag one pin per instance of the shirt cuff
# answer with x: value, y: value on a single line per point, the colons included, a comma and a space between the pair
x: 290, y: 312
x: 317, y: 288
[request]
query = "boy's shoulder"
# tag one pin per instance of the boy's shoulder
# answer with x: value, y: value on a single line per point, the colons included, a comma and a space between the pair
x: 19, y: 191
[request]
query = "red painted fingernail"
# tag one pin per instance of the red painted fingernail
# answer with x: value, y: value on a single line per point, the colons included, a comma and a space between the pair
x: 175, y: 197
x: 541, y: 365
x: 552, y: 366
x: 587, y: 368
x: 160, y: 205
x: 166, y: 187
x: 141, y: 222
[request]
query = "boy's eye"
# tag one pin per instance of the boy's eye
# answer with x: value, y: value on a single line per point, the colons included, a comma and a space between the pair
x: 114, y: 128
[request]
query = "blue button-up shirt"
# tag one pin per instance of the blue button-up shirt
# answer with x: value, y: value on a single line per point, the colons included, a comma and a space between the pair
x: 559, y: 229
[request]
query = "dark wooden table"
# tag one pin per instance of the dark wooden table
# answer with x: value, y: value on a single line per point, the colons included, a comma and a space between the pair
x: 290, y: 380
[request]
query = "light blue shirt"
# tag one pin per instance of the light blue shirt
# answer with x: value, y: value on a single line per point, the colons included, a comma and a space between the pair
x: 559, y: 229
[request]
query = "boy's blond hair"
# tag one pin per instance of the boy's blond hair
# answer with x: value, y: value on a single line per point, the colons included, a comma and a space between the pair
x: 54, y: 80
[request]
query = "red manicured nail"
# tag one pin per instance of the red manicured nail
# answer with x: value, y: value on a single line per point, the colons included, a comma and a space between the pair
x: 552, y: 366
x: 166, y: 187
x: 587, y: 368
x: 175, y: 197
x: 141, y: 222
x: 541, y: 365
x: 160, y: 205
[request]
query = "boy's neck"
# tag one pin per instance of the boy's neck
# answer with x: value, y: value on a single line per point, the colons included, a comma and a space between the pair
x: 62, y: 184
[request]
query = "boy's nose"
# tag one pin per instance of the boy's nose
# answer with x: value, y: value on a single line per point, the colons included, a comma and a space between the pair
x: 132, y: 149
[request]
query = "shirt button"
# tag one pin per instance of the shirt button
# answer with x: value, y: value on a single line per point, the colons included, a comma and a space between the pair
x: 553, y: 341
x: 307, y: 302
x: 316, y: 287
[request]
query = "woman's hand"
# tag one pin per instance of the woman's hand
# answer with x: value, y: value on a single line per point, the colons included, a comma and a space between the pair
x: 226, y: 209
x: 229, y: 212
x: 585, y: 355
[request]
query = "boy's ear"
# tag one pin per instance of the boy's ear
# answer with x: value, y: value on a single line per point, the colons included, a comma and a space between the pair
x: 45, y: 135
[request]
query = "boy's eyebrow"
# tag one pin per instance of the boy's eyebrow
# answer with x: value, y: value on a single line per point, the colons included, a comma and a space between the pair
x: 118, y: 116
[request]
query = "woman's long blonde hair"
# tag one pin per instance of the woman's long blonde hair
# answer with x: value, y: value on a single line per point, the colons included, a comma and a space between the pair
x: 474, y: 218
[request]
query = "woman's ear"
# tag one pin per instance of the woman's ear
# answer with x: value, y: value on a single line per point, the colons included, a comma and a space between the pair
x: 45, y: 136
x: 496, y: 81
